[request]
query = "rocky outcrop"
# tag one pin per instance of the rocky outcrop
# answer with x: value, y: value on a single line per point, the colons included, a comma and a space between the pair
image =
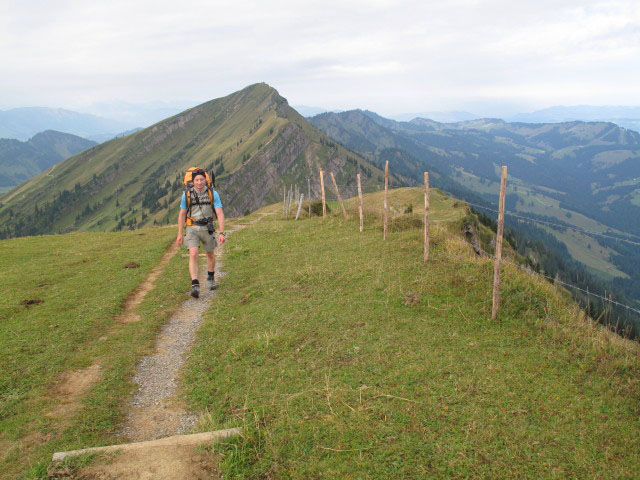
x: 250, y: 186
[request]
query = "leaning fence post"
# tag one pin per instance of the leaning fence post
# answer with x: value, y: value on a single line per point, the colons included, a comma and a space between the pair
x: 300, y: 205
x: 426, y: 216
x: 386, y: 203
x: 324, y: 201
x: 498, y: 256
x: 360, y: 204
x: 335, y: 185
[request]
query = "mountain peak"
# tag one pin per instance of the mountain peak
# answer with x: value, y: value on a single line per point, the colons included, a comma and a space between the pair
x: 251, y: 139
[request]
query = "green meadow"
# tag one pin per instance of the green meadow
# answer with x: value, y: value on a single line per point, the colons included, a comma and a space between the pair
x: 61, y: 295
x: 341, y: 355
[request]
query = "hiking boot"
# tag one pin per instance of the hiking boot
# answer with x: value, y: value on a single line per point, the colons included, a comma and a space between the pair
x: 195, y: 290
x: 211, y: 283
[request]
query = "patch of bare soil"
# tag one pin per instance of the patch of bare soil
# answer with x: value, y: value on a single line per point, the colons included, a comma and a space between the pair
x: 145, y: 287
x: 33, y: 301
x: 155, y: 463
x: 69, y: 389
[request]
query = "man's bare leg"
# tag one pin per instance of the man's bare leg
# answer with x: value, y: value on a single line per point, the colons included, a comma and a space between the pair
x: 211, y: 265
x: 193, y: 262
x: 211, y: 261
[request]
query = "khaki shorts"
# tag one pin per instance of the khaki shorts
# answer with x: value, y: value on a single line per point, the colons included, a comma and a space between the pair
x: 198, y: 234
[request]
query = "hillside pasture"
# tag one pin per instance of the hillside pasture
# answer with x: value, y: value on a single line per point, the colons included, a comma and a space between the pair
x: 345, y: 356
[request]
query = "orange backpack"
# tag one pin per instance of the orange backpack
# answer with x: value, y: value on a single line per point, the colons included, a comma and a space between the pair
x: 188, y: 177
x: 188, y: 182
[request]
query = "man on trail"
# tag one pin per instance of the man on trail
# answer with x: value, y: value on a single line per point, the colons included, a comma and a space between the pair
x: 197, y: 214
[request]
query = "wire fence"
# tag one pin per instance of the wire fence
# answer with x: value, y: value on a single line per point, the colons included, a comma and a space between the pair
x: 294, y: 196
x: 561, y: 225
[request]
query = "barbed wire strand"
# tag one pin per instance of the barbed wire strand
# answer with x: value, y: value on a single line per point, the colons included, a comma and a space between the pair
x: 533, y: 272
x: 588, y: 232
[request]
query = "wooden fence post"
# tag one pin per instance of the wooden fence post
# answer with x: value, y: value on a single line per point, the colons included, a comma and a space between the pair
x: 360, y: 204
x: 290, y: 201
x: 335, y: 185
x: 300, y: 205
x: 426, y: 216
x: 309, y: 192
x: 496, y: 267
x: 284, y: 202
x: 386, y: 193
x: 324, y: 201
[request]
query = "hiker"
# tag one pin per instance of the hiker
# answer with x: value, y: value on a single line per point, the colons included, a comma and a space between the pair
x: 199, y: 204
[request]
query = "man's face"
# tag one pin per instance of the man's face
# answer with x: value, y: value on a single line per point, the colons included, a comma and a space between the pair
x: 199, y: 182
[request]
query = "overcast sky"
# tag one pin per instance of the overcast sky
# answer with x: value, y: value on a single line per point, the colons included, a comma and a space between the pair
x: 483, y: 56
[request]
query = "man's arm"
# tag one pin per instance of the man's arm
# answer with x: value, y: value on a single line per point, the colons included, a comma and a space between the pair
x: 182, y: 218
x: 221, y: 238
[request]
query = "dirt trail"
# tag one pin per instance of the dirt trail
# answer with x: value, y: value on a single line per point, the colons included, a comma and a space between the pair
x: 145, y: 287
x: 155, y: 410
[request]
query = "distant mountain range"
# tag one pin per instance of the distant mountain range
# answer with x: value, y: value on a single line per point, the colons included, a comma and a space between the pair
x: 138, y: 114
x: 20, y: 161
x: 307, y: 111
x: 24, y: 123
x: 449, y: 116
x: 585, y: 113
x: 103, y: 121
x: 253, y: 140
x: 627, y: 117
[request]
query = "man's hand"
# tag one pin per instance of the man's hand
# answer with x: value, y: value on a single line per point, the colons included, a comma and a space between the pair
x: 221, y: 239
x: 179, y: 239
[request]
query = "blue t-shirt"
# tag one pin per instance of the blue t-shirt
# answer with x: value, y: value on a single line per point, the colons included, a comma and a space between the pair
x: 216, y: 200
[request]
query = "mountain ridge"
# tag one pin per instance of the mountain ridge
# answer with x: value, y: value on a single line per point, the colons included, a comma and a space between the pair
x: 20, y: 161
x: 253, y: 140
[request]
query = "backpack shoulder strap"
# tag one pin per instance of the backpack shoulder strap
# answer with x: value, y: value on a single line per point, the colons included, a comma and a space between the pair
x: 213, y: 208
x: 187, y: 194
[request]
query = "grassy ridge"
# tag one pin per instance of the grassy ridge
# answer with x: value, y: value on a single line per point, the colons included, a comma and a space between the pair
x: 347, y: 357
x: 250, y: 134
x: 82, y: 282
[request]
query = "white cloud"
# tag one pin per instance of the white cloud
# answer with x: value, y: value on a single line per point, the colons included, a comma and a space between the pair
x: 391, y: 56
